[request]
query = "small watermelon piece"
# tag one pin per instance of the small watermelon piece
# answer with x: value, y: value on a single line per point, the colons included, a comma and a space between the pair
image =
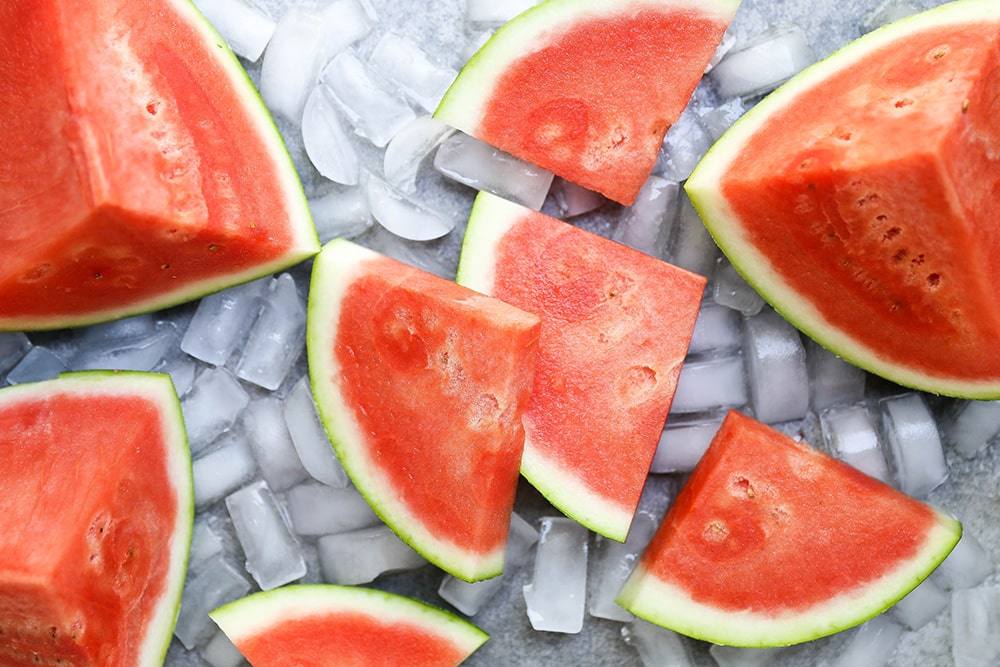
x: 139, y: 168
x: 421, y: 384
x: 588, y: 88
x: 314, y: 625
x: 96, y: 507
x: 772, y: 542
x: 616, y: 324
x: 860, y: 200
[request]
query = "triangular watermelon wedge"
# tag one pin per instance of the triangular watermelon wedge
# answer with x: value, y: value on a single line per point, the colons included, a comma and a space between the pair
x: 616, y: 324
x: 138, y: 167
x: 772, y: 542
x: 588, y: 88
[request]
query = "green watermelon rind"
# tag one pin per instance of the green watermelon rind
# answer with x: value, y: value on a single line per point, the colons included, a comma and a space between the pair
x: 724, y: 226
x: 255, y: 614
x: 158, y: 388
x: 334, y: 270
x: 305, y: 239
x: 490, y: 220
x: 670, y: 606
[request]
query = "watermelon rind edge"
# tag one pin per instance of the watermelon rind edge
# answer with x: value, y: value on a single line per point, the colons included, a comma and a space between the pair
x: 669, y: 606
x: 755, y: 268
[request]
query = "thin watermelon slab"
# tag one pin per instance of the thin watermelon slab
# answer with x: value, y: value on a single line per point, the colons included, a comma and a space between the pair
x: 139, y: 168
x: 588, y: 88
x: 859, y: 199
x: 616, y: 324
x: 312, y: 625
x: 96, y: 506
x: 772, y: 542
x: 421, y: 385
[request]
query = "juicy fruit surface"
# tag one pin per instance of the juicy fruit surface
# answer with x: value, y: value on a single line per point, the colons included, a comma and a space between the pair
x: 858, y: 200
x: 138, y: 169
x: 772, y: 542
x: 588, y: 90
x: 421, y: 384
x: 616, y: 325
x: 97, y: 510
x: 307, y: 625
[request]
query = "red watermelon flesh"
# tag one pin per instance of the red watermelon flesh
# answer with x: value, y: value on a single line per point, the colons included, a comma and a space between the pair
x: 138, y: 168
x: 616, y: 325
x: 772, y: 542
x: 96, y: 508
x: 588, y: 89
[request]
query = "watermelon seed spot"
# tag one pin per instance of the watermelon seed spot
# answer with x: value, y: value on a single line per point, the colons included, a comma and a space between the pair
x: 934, y: 280
x: 164, y: 266
x: 152, y: 108
x: 716, y: 531
x: 903, y: 102
x: 965, y: 105
x: 890, y: 233
x: 918, y: 260
x: 53, y: 632
x: 846, y: 135
x: 900, y: 255
x: 98, y: 276
x: 212, y: 247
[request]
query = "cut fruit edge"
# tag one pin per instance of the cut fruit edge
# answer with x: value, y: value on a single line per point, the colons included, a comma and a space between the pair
x: 725, y: 227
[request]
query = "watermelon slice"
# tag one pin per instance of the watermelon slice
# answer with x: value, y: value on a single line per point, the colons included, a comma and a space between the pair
x: 139, y: 168
x: 772, y: 542
x: 859, y: 199
x: 588, y: 88
x: 421, y: 384
x: 616, y: 324
x: 316, y: 625
x: 96, y: 507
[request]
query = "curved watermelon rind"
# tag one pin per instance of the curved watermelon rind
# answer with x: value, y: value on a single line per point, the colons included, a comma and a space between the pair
x: 669, y: 606
x: 719, y: 218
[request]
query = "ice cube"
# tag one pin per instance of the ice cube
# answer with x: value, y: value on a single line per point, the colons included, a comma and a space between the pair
x: 212, y: 406
x: 136, y: 326
x: 206, y: 545
x: 730, y: 289
x: 407, y: 150
x: 692, y: 247
x: 710, y: 384
x: 657, y: 646
x: 13, y: 347
x: 975, y: 622
x: 740, y: 656
x: 970, y: 426
x: 646, y: 225
x: 556, y: 596
x: 968, y: 564
x: 849, y: 433
x: 832, y: 380
x: 475, y: 163
x: 683, y: 442
x: 273, y: 555
x: 718, y: 329
x: 613, y: 563
x: 277, y: 338
x: 220, y: 651
x: 272, y: 445
x: 326, y: 142
x: 573, y: 200
x: 495, y: 13
x: 402, y: 214
x: 213, y: 586
x: 182, y: 370
x: 245, y: 28
x: 915, y: 454
x: 318, y: 509
x: 921, y: 605
x: 141, y: 352
x: 38, y: 363
x: 887, y: 12
x: 870, y: 644
x: 360, y: 556
x: 776, y: 368
x: 310, y: 439
x: 220, y: 322
x: 720, y: 118
x: 341, y: 212
x: 763, y: 62
x: 403, y: 63
x: 227, y: 467
x: 685, y: 143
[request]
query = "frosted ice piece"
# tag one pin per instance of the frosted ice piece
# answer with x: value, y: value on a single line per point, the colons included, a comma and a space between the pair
x: 613, y: 563
x: 870, y: 644
x: 710, y: 384
x: 38, y: 363
x: 13, y: 347
x: 717, y: 329
x: 206, y: 545
x: 403, y: 63
x: 220, y: 322
x: 213, y: 586
x: 764, y: 62
x: 403, y: 215
x: 136, y: 326
x: 573, y: 200
x: 738, y: 656
x: 684, y: 144
x: 646, y: 225
x: 326, y: 142
x: 967, y: 565
x: 318, y: 509
x: 181, y: 370
x: 915, y: 453
x: 849, y: 433
x: 683, y: 443
x: 273, y: 555
x: 720, y: 118
x: 556, y: 596
x: 407, y: 150
x: 212, y: 406
x: 726, y: 45
x: 776, y: 368
x: 921, y: 605
x: 475, y: 163
x: 975, y: 626
x: 219, y: 651
x: 340, y: 213
x: 470, y: 597
x: 495, y: 13
x: 886, y: 12
x: 361, y: 556
x: 426, y: 256
x: 731, y: 290
x: 832, y: 380
x: 221, y: 471
x: 272, y: 446
x: 657, y: 646
x: 303, y: 41
x: 970, y: 426
x: 310, y: 440
x: 374, y: 112
x: 245, y: 28
x: 141, y: 352
x: 692, y: 247
x: 277, y: 338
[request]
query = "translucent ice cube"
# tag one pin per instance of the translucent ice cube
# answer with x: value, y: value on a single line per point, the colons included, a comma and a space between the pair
x: 969, y: 426
x: 38, y: 363
x: 13, y: 347
x: 140, y: 352
x: 915, y: 454
x: 871, y: 644
x: 495, y: 13
x: 360, y: 556
x: 718, y: 329
x: 318, y: 509
x: 921, y: 605
x: 776, y: 368
x: 683, y: 443
x: 646, y: 225
x: 692, y: 247
x: 975, y: 622
x: 227, y: 467
x: 849, y: 433
x: 612, y: 563
x: 273, y: 555
x: 402, y: 62
x: 710, y: 384
x: 740, y: 656
x: 221, y: 321
x: 213, y: 586
x: 657, y: 646
x: 220, y: 651
x: 730, y: 289
x: 556, y: 596
x: 402, y: 214
x: 326, y: 142
x: 573, y: 200
x: 272, y: 445
x: 212, y: 406
x: 831, y: 379
x: 341, y: 212
x: 309, y: 437
x: 763, y: 62
x: 407, y: 150
x: 968, y: 564
x: 245, y: 28
x: 277, y: 338
x: 685, y: 143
